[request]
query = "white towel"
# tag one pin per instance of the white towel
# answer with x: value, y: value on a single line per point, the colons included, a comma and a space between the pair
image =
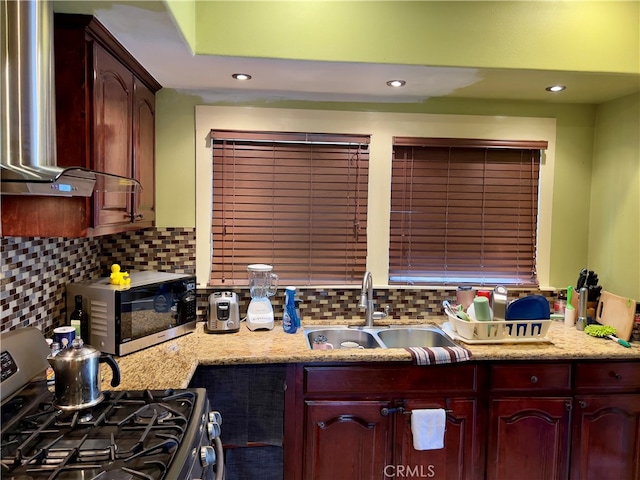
x: 427, y: 427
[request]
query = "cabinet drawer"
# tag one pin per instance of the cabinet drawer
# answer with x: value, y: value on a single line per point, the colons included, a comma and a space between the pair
x: 610, y: 376
x: 531, y: 377
x: 385, y: 379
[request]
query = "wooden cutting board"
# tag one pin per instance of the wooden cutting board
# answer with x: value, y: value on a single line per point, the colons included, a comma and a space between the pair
x: 617, y: 311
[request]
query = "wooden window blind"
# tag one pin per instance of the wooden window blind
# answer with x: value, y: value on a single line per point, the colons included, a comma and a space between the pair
x: 297, y: 201
x: 464, y: 211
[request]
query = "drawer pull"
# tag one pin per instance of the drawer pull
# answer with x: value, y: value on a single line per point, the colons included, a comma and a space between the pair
x: 617, y: 376
x: 582, y: 404
x: 534, y: 379
x: 568, y: 407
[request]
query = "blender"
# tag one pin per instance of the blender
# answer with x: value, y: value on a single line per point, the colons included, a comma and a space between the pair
x: 262, y: 284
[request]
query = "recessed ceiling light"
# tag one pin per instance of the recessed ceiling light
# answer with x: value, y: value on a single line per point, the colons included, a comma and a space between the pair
x: 396, y: 83
x: 241, y: 76
x: 555, y: 88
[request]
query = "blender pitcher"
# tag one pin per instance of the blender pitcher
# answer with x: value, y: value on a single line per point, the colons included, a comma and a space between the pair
x: 262, y: 285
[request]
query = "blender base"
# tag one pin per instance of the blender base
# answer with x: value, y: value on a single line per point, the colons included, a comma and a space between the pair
x: 260, y: 315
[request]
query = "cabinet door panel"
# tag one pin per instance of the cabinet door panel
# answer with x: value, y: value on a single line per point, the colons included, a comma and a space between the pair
x: 606, y: 438
x: 346, y: 439
x: 113, y: 91
x: 458, y: 460
x: 528, y: 438
x: 144, y: 152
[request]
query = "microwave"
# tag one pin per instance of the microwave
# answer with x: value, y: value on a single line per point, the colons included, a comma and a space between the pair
x: 153, y: 308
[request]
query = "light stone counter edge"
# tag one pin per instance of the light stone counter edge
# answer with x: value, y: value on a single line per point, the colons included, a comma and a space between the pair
x: 173, y: 363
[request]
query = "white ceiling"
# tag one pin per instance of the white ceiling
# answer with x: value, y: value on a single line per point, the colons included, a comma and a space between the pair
x: 147, y: 30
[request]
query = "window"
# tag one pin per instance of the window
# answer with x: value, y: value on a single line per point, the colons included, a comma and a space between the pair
x: 464, y: 211
x: 296, y: 201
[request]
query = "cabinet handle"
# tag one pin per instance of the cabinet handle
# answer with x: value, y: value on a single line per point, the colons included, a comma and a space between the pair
x: 582, y: 404
x: 388, y: 411
x: 534, y: 379
x: 568, y: 407
x: 617, y: 376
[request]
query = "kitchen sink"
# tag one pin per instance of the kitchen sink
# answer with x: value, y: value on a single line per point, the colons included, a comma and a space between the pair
x: 401, y: 337
x: 341, y: 337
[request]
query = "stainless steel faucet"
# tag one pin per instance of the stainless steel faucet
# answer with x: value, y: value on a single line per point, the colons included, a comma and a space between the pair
x: 366, y: 301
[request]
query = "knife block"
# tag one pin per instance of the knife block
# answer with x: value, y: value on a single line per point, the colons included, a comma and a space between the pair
x: 591, y: 306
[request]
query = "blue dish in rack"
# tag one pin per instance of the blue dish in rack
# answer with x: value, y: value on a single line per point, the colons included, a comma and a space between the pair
x: 531, y: 307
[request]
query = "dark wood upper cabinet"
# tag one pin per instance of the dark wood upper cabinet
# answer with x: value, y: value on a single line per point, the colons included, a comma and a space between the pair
x: 112, y: 136
x: 105, y: 121
x: 144, y: 157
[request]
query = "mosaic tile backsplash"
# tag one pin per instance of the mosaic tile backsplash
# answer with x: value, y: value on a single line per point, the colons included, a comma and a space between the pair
x: 36, y: 270
x: 162, y: 249
x: 342, y: 304
x: 34, y: 274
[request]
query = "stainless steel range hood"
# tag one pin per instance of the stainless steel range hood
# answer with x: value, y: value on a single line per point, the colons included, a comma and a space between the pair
x: 28, y: 135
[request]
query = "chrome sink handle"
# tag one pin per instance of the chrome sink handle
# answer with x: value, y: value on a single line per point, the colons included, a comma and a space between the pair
x: 381, y: 315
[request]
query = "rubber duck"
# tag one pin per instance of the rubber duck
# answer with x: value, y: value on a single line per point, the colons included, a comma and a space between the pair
x: 117, y: 277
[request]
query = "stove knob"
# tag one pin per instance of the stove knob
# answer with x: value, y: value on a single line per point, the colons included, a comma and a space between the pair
x: 215, y: 417
x: 207, y: 456
x: 213, y: 429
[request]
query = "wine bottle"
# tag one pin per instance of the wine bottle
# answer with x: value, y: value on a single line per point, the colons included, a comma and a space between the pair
x: 80, y: 320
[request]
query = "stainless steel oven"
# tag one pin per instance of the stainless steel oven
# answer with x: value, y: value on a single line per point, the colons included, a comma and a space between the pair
x: 135, y: 434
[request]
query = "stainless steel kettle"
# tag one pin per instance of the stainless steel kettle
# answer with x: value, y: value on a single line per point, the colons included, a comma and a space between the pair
x: 77, y: 376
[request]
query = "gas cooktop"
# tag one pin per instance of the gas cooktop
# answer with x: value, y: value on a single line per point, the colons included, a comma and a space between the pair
x: 140, y: 434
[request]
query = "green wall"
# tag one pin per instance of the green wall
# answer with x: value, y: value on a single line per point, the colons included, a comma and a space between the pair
x: 574, y: 151
x: 614, y: 220
x: 596, y: 146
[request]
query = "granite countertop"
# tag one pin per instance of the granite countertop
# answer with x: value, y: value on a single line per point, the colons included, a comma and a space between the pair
x: 172, y: 364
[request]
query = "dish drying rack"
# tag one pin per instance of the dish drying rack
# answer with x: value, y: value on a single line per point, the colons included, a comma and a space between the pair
x: 497, y: 331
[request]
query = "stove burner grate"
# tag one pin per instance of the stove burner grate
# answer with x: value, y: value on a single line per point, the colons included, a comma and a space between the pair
x: 128, y: 436
x: 147, y: 413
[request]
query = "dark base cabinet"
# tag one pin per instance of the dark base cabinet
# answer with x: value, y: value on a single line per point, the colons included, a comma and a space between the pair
x: 606, y: 422
x: 518, y: 420
x: 530, y: 421
x: 458, y: 459
x: 346, y: 439
x: 606, y: 438
x: 529, y: 438
x: 356, y: 423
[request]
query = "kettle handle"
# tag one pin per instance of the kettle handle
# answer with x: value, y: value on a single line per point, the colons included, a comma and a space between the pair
x: 108, y: 359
